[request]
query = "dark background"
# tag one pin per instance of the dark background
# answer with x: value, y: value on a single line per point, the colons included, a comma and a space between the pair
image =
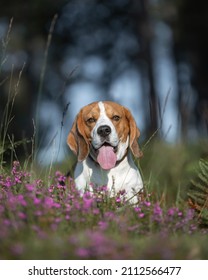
x: 148, y: 55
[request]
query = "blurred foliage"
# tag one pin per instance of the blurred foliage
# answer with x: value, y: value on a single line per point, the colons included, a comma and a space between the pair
x: 198, y: 192
x: 167, y: 169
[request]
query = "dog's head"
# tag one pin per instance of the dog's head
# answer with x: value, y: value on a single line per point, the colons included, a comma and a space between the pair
x: 104, y: 130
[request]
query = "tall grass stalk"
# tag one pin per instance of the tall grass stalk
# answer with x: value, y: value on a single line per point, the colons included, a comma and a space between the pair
x: 42, y: 76
x: 7, y: 115
x: 5, y: 43
x: 3, y: 58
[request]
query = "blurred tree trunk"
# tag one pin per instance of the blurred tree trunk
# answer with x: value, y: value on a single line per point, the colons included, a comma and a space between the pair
x: 146, y: 62
x: 190, y: 31
x: 182, y: 106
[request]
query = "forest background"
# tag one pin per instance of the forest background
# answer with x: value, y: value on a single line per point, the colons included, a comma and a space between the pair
x: 150, y: 56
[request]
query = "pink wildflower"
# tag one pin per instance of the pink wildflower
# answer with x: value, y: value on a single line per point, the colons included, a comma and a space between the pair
x: 141, y: 215
x: 82, y: 252
x: 171, y: 211
x: 21, y: 200
x: 22, y: 215
x: 36, y: 201
x: 147, y: 203
x: 137, y: 209
x: 118, y: 199
x: 29, y: 187
x: 103, y: 225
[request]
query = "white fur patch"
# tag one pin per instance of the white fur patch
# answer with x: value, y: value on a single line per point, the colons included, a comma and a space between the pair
x: 104, y: 120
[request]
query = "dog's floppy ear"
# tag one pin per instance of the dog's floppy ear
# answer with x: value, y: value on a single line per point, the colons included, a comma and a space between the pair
x: 134, y: 135
x: 77, y: 139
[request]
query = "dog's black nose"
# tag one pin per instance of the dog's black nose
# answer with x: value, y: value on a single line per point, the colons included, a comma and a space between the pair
x: 104, y: 130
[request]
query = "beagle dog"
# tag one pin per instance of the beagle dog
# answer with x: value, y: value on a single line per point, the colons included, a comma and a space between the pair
x: 103, y: 136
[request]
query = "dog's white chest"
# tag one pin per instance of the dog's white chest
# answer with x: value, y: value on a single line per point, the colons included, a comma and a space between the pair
x: 124, y: 176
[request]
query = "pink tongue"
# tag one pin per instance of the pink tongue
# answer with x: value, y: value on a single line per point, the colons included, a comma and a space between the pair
x: 106, y: 157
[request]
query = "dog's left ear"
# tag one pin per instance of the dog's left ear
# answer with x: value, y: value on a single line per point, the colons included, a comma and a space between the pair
x: 77, y: 139
x: 134, y: 135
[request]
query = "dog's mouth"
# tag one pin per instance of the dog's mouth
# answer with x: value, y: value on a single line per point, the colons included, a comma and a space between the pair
x: 106, y: 156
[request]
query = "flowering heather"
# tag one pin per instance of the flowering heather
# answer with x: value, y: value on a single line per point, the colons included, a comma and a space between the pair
x: 55, y: 221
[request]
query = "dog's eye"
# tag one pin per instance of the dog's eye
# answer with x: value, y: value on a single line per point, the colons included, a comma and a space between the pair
x: 91, y: 120
x: 116, y: 118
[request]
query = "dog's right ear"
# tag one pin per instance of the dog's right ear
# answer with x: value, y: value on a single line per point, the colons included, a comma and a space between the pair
x: 134, y: 135
x: 77, y: 139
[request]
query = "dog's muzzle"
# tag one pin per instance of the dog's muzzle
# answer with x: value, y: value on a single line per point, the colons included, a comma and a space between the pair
x: 105, y: 154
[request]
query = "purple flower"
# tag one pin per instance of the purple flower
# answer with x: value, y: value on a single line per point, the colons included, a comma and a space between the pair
x: 68, y: 207
x: 157, y: 210
x: 17, y: 179
x: 7, y: 222
x: 36, y: 201
x: 8, y: 182
x: 17, y: 249
x: 190, y: 214
x: 39, y: 182
x: 137, y: 209
x: 157, y: 213
x: 87, y: 203
x: 122, y: 192
x: 22, y: 215
x: 109, y: 215
x: 56, y: 205
x: 48, y: 202
x: 16, y: 166
x: 147, y: 203
x: 57, y: 220
x: 67, y: 217
x: 118, y: 199
x: 103, y: 225
x: 171, y: 211
x: 82, y: 252
x: 38, y: 213
x: 21, y: 200
x: 51, y: 189
x: 141, y: 215
x: 95, y: 211
x: 102, y: 189
x: 30, y: 187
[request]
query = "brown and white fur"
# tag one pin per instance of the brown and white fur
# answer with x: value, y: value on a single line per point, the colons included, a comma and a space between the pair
x: 110, y: 124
